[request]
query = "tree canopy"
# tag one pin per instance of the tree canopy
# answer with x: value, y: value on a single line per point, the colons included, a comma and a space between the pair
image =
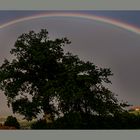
x: 42, y: 78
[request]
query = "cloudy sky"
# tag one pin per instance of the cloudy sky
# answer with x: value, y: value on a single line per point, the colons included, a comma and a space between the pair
x: 104, y: 44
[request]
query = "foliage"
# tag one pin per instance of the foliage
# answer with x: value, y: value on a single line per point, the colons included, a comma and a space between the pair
x: 84, y: 121
x: 42, y: 78
x: 12, y: 121
x: 40, y: 124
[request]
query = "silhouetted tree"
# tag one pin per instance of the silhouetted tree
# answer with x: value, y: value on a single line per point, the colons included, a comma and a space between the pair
x: 41, y: 78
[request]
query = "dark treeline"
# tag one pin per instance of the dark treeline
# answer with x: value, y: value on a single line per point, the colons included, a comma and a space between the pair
x: 83, y: 121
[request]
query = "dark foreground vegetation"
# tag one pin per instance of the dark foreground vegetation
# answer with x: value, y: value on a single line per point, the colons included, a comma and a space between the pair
x: 77, y: 121
x: 10, y: 123
x: 43, y: 79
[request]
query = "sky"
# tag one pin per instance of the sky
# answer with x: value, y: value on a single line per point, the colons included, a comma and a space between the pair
x: 104, y: 44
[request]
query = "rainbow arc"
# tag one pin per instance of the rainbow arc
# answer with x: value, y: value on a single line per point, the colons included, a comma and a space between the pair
x: 113, y: 22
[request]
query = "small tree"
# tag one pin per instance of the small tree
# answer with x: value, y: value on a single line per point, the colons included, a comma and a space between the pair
x: 43, y: 79
x: 12, y: 121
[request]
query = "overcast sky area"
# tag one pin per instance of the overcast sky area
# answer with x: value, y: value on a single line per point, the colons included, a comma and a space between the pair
x: 103, y: 44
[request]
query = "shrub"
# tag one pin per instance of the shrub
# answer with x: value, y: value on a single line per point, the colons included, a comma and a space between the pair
x: 41, y: 124
x: 12, y: 122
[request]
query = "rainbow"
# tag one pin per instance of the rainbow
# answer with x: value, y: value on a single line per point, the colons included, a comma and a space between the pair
x: 113, y: 22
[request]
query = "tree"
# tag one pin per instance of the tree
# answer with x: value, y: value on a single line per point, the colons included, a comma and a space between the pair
x: 12, y: 121
x: 42, y: 78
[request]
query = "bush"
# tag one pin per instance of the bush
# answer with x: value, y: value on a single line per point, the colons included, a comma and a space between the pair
x: 12, y: 121
x: 41, y: 124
